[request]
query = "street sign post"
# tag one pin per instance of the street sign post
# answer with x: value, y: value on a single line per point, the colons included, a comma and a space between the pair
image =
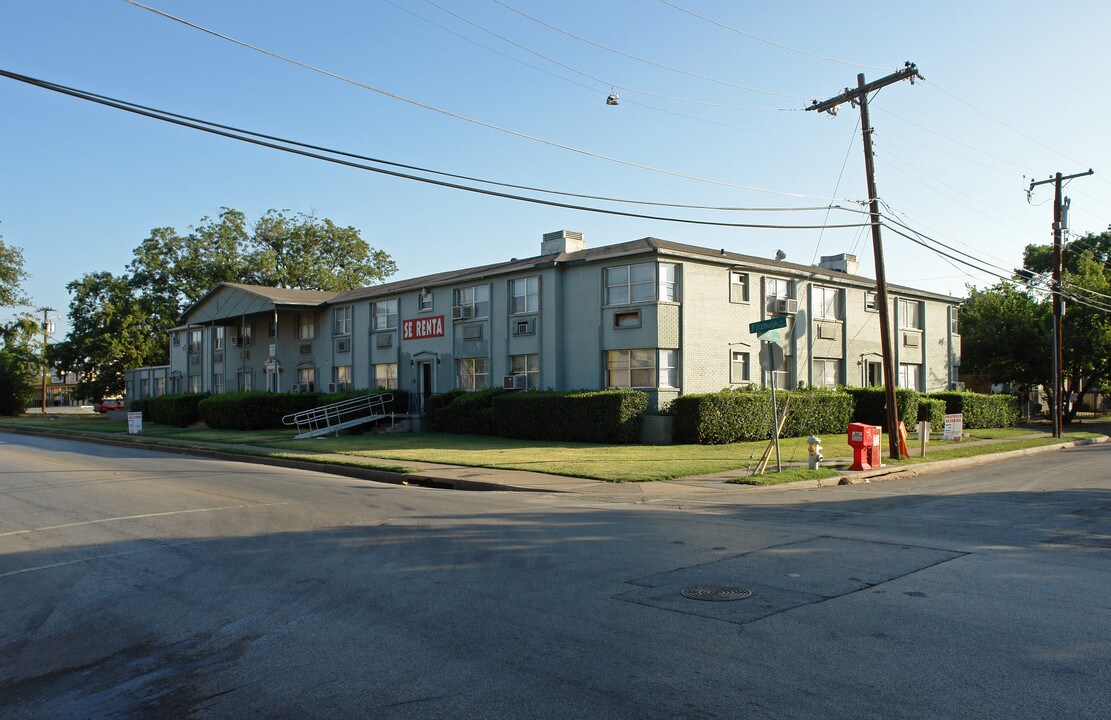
x: 771, y: 358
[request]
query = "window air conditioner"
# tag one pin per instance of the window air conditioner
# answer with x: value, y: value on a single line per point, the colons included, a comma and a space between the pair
x: 786, y: 306
x: 295, y: 388
x: 462, y: 312
x: 343, y: 345
x: 910, y: 340
x: 514, y: 382
x: 332, y: 387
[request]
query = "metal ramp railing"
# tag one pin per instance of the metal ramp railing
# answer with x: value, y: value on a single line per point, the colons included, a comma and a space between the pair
x: 339, y: 415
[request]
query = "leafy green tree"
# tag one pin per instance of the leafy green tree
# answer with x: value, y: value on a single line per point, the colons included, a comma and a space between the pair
x: 1006, y: 334
x: 111, y: 330
x: 19, y: 356
x: 310, y: 253
x: 17, y: 389
x: 12, y: 276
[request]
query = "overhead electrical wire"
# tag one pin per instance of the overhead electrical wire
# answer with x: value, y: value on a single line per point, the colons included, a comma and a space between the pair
x: 737, y: 30
x: 637, y: 58
x: 457, y: 116
x: 952, y: 140
x: 837, y: 186
x: 602, y: 81
x: 292, y: 148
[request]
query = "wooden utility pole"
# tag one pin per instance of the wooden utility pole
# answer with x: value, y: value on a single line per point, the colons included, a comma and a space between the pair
x: 45, y: 339
x: 859, y: 96
x: 1058, y: 305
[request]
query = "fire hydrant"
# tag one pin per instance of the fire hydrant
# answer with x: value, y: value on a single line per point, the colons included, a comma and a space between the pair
x: 815, y: 452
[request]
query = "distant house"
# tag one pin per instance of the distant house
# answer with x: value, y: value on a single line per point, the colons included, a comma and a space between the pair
x: 659, y: 316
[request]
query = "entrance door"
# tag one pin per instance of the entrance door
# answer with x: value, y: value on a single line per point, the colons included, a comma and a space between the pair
x: 873, y: 373
x: 426, y: 384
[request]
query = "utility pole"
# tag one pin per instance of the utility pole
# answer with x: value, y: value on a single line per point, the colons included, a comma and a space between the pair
x: 1058, y: 305
x: 859, y: 96
x: 45, y: 339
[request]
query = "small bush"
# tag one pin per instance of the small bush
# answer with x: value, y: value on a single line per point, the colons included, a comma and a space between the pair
x: 179, y: 409
x: 737, y: 416
x: 601, y: 416
x: 871, y: 406
x: 980, y: 410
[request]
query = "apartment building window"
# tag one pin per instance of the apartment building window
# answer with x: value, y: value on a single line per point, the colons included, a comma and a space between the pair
x: 306, y: 378
x: 341, y: 374
x: 306, y: 326
x: 775, y: 288
x: 631, y: 368
x: 738, y: 286
x: 144, y: 388
x: 246, y: 379
x: 194, y: 383
x: 668, y: 282
x: 175, y: 339
x: 159, y: 386
x: 525, y: 295
x: 472, y: 373
x: 272, y: 329
x: 908, y: 376
x: 669, y: 368
x: 909, y: 314
x: 218, y: 334
x: 473, y: 302
x: 341, y: 320
x: 827, y: 373
x: 246, y: 338
x: 827, y: 302
x: 424, y: 301
x: 739, y: 364
x: 870, y: 302
x: 628, y: 284
x: 195, y: 340
x: 385, y: 376
x: 954, y: 326
x: 527, y: 365
x: 385, y: 314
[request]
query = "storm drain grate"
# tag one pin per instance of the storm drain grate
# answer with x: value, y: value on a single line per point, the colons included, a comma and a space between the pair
x: 716, y: 593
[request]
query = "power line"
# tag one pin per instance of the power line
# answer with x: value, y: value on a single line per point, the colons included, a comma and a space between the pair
x: 458, y: 116
x: 837, y: 185
x: 765, y: 40
x: 256, y: 139
x: 952, y: 140
x: 640, y: 59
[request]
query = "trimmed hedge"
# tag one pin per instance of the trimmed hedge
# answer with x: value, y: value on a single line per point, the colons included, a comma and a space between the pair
x: 980, y: 410
x: 179, y: 409
x: 463, y: 412
x: 738, y: 416
x: 871, y: 406
x: 932, y: 409
x: 601, y: 416
x: 261, y: 410
x: 141, y: 406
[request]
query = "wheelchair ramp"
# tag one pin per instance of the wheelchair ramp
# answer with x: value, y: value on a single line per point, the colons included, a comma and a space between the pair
x: 340, y: 415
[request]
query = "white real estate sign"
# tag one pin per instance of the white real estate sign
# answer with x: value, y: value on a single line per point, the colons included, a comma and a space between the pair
x: 134, y: 423
x: 954, y: 427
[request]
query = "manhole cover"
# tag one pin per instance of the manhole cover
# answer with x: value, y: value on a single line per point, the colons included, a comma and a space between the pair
x: 716, y: 593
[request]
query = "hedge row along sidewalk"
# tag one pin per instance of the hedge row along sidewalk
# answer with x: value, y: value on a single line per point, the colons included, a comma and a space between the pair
x: 535, y: 465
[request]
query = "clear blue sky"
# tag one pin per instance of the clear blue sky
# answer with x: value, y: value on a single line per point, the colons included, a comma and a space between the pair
x: 1012, y: 89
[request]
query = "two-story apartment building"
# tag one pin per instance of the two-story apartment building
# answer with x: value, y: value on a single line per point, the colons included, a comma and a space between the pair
x: 649, y: 314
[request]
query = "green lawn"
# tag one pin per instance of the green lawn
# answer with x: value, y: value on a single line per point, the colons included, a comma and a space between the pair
x: 616, y: 463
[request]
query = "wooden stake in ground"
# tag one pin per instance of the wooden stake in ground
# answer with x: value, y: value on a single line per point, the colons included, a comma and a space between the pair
x: 763, y: 464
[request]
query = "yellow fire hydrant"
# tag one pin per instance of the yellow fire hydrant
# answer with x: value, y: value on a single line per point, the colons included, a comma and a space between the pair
x: 815, y: 444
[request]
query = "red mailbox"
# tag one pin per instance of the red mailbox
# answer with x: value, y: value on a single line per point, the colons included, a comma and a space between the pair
x: 862, y: 438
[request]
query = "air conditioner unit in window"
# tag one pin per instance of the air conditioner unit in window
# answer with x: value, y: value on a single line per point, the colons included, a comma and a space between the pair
x: 514, y: 382
x: 194, y: 347
x: 786, y: 306
x: 333, y: 387
x: 462, y: 312
x: 295, y: 388
x: 343, y: 345
x: 910, y: 340
x: 306, y: 349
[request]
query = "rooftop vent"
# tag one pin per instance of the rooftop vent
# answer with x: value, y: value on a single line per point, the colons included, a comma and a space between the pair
x: 562, y: 241
x: 844, y: 262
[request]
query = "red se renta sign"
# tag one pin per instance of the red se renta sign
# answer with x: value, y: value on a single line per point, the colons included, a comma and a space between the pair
x: 422, y: 328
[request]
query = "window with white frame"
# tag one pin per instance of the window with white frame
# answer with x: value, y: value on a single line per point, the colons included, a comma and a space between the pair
x: 909, y: 314
x: 908, y: 376
x: 385, y: 314
x: 160, y: 386
x: 341, y: 320
x: 628, y: 284
x: 341, y: 374
x: 144, y: 388
x: 527, y: 365
x: 476, y: 297
x: 385, y: 376
x: 738, y: 286
x: 631, y: 368
x: 524, y: 295
x: 954, y: 326
x: 775, y: 288
x: 668, y: 282
x: 195, y: 340
x: 218, y: 383
x: 306, y: 326
x: 870, y: 302
x: 827, y: 302
x: 218, y: 334
x: 424, y: 301
x: 245, y: 379
x: 194, y: 383
x: 669, y: 368
x: 827, y: 372
x: 739, y: 367
x: 246, y: 335
x: 472, y: 373
x: 306, y: 378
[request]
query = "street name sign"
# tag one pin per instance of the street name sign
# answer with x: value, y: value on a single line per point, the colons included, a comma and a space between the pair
x: 761, y: 326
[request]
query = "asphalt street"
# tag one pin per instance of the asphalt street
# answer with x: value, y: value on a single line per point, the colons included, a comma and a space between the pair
x: 135, y: 584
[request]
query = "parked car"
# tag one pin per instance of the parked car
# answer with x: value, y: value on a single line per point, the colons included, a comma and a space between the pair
x: 109, y: 404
